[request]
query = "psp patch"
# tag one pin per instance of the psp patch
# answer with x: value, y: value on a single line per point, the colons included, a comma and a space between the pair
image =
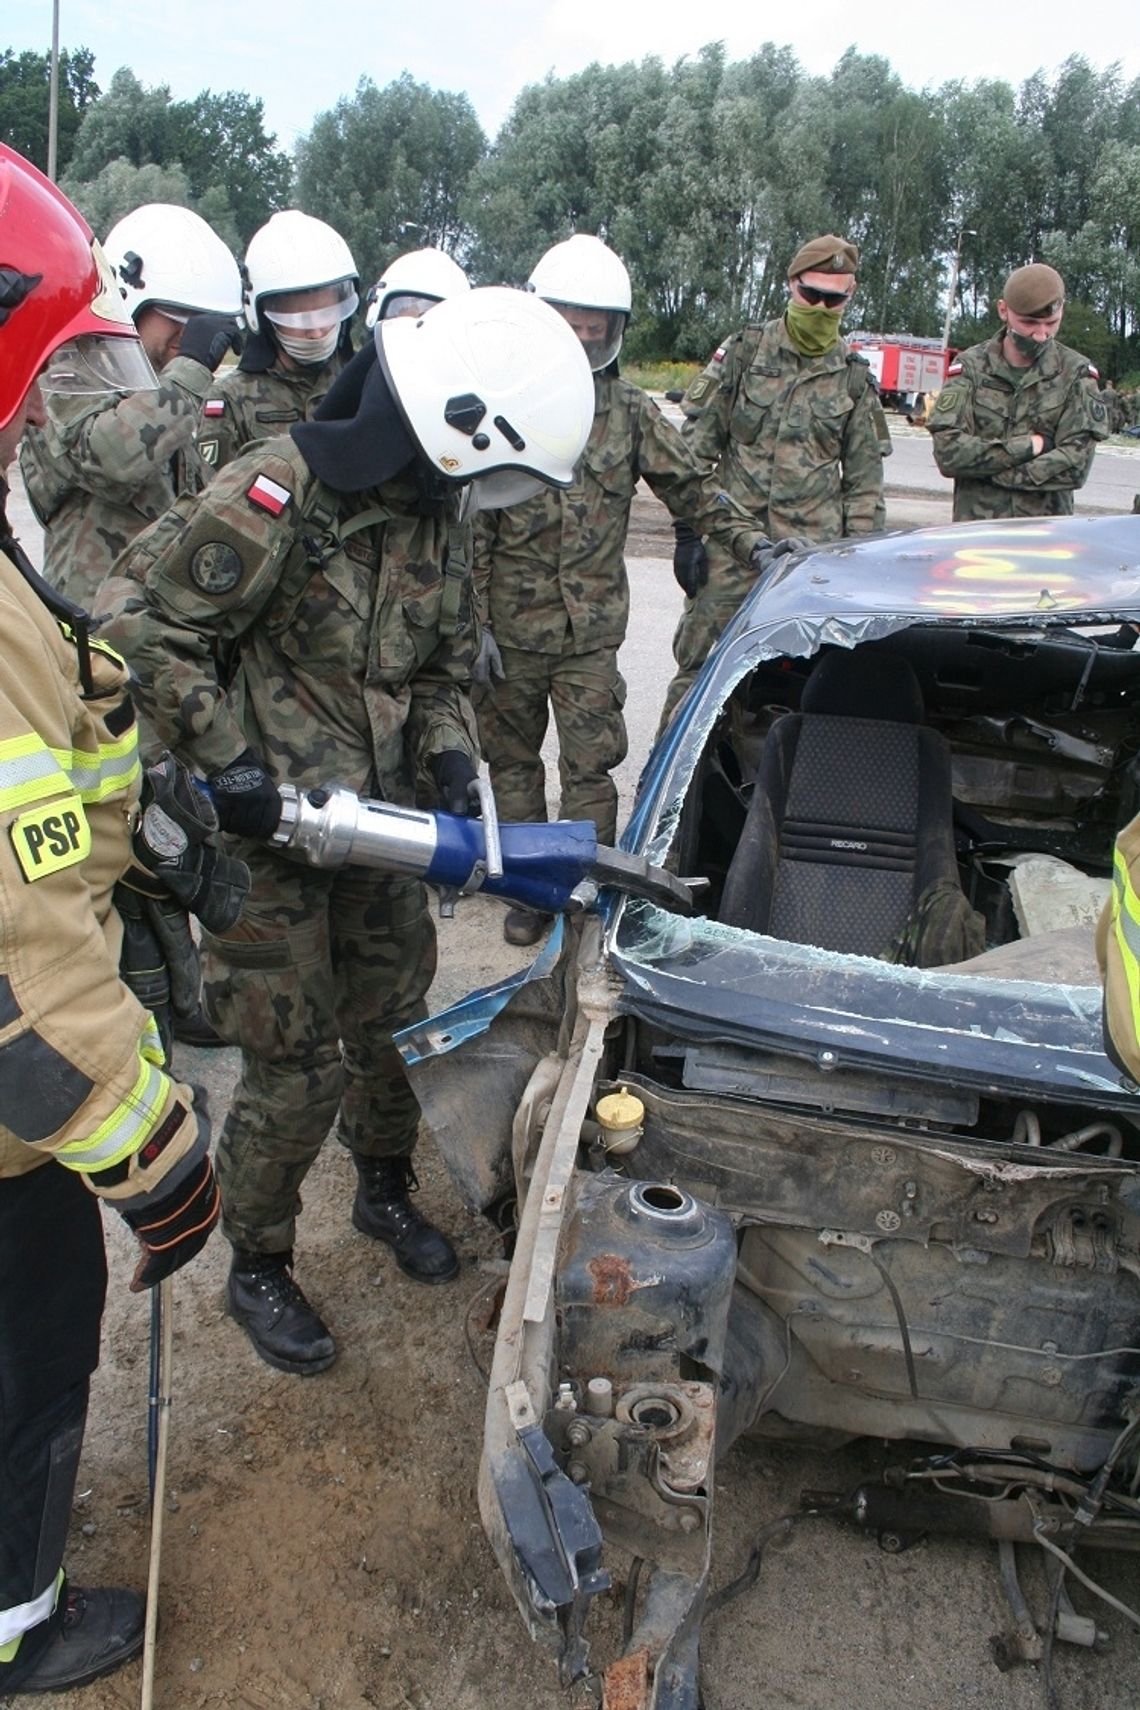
x: 48, y: 839
x: 269, y: 495
x: 216, y: 568
x: 208, y: 452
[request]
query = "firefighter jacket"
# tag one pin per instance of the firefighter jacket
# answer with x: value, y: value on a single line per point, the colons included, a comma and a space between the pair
x: 81, y: 1067
x: 550, y: 574
x: 983, y: 424
x: 796, y: 442
x: 245, y: 405
x: 104, y: 467
x: 1118, y: 950
x: 329, y: 632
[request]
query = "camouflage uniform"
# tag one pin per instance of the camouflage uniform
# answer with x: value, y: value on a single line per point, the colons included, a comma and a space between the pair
x: 245, y: 405
x: 1116, y: 410
x: 552, y: 587
x: 349, y: 642
x: 797, y: 442
x: 984, y: 419
x: 106, y: 466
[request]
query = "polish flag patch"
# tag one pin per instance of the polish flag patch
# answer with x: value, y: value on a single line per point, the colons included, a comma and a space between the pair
x: 268, y: 496
x: 213, y: 408
x: 718, y: 354
x: 1094, y: 372
x: 954, y: 368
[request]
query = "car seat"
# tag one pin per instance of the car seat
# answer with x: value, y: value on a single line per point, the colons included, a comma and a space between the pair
x: 850, y: 822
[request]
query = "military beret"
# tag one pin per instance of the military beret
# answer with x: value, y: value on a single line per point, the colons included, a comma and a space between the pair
x: 1034, y: 291
x: 828, y: 254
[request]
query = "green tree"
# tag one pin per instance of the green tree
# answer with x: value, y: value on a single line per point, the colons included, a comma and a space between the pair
x: 235, y: 176
x: 25, y: 88
x: 121, y: 187
x: 389, y: 169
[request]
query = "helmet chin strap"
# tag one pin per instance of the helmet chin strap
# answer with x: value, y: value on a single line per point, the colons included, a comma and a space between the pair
x: 357, y: 439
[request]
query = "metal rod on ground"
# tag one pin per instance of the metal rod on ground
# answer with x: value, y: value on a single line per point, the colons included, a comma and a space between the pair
x: 161, y: 1322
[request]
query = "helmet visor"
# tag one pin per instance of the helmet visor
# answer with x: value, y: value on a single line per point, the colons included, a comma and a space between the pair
x: 499, y: 490
x: 404, y: 303
x: 600, y: 330
x: 318, y: 310
x: 90, y: 365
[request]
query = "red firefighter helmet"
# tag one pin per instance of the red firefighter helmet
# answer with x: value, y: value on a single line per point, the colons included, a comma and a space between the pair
x: 55, y: 284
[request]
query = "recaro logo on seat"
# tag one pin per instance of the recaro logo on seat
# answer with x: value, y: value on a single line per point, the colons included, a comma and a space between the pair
x: 845, y: 843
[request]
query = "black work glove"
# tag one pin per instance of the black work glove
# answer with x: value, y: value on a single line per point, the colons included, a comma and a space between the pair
x: 454, y: 774
x: 489, y: 661
x: 172, y: 845
x: 206, y: 339
x: 247, y: 800
x: 174, y: 1227
x: 762, y: 558
x: 690, y: 560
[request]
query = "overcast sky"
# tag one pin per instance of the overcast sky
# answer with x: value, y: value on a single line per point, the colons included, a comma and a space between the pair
x: 300, y: 57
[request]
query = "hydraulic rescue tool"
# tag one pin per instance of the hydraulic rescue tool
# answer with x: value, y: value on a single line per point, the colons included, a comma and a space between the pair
x: 554, y: 869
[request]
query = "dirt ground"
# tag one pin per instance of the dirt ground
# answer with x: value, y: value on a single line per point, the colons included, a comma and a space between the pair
x: 323, y: 1549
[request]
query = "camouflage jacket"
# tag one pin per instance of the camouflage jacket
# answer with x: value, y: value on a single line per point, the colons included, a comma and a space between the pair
x: 982, y: 427
x: 106, y: 466
x: 243, y: 407
x: 550, y: 574
x: 797, y: 442
x: 325, y: 631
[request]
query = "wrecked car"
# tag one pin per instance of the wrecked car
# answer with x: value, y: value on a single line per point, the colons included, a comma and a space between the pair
x: 839, y: 1154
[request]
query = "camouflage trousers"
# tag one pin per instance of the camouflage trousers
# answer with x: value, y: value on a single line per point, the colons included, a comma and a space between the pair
x: 312, y: 982
x: 702, y: 621
x: 587, y: 694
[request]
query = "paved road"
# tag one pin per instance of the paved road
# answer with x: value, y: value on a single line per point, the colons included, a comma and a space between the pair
x: 911, y: 469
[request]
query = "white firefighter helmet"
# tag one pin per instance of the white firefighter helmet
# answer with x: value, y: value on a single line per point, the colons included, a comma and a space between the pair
x: 584, y: 274
x: 294, y: 252
x: 163, y: 254
x: 494, y: 388
x: 413, y: 282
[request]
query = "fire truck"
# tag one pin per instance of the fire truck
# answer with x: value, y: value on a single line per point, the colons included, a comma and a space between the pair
x: 905, y: 366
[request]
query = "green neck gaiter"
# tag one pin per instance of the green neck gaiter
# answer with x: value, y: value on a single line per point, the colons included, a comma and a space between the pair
x: 1031, y: 348
x: 813, y: 331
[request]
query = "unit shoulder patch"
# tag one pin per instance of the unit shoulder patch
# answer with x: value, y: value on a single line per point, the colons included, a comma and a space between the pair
x: 216, y: 568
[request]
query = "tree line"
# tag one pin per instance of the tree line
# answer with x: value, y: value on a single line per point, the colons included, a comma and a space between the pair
x: 705, y: 175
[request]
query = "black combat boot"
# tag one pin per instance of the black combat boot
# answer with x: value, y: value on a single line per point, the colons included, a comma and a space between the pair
x: 382, y: 1209
x: 96, y: 1632
x: 275, y: 1315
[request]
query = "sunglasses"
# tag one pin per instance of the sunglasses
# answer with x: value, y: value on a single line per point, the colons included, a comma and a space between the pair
x: 829, y: 299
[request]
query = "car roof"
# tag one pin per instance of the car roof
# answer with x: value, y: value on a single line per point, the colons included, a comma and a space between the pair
x: 1033, y: 570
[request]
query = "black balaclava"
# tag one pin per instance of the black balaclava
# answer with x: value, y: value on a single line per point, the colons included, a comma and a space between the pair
x: 357, y: 439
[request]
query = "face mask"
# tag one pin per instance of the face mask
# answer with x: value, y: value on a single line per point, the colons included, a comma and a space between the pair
x: 1030, y: 348
x: 813, y: 331
x: 310, y: 352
